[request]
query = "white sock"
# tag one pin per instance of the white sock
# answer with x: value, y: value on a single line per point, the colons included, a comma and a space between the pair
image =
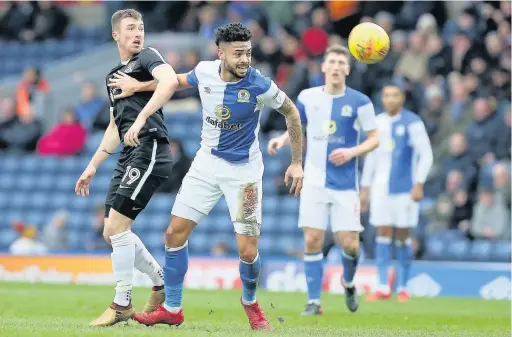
x: 146, y: 263
x: 123, y: 259
x: 315, y: 301
x: 173, y: 310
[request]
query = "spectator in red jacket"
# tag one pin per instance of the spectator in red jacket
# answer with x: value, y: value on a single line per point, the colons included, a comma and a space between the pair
x: 65, y: 139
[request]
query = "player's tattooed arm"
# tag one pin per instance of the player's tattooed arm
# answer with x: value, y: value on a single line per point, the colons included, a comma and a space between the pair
x: 291, y: 113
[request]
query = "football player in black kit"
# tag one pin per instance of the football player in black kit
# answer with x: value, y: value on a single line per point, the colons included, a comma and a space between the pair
x: 144, y: 164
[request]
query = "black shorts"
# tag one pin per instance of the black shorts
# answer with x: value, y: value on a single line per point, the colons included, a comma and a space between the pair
x: 139, y: 173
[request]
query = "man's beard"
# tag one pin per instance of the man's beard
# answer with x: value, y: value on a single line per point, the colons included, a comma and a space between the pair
x: 232, y: 71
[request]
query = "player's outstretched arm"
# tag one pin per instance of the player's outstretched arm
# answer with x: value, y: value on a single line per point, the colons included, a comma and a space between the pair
x: 129, y: 85
x: 167, y: 84
x: 107, y: 146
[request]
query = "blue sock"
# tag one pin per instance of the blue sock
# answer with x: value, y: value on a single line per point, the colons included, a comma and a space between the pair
x: 404, y: 256
x: 349, y: 268
x: 382, y: 259
x: 250, y: 273
x: 176, y: 265
x: 314, y: 270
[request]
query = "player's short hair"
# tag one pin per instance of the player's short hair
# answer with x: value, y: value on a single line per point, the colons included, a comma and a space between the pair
x: 394, y: 84
x: 122, y: 14
x: 232, y: 32
x: 337, y: 49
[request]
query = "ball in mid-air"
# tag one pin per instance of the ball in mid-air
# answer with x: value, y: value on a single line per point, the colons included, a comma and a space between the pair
x: 368, y: 43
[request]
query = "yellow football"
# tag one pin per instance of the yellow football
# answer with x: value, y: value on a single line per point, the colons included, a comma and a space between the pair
x: 368, y: 43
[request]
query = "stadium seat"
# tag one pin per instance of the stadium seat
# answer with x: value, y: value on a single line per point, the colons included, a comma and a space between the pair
x: 38, y: 201
x: 269, y: 223
x: 10, y: 163
x: 435, y: 248
x: 500, y: 251
x: 30, y: 164
x: 38, y: 218
x: 199, y: 243
x: 7, y: 237
x: 273, y: 167
x: 480, y: 250
x: 160, y: 221
x: 48, y: 164
x: 289, y: 205
x: 266, y: 243
x: 161, y: 203
x: 7, y: 181
x: 457, y: 250
x: 220, y: 223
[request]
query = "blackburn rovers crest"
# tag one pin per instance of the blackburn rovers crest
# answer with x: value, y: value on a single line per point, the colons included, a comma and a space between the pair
x: 346, y: 111
x: 243, y: 96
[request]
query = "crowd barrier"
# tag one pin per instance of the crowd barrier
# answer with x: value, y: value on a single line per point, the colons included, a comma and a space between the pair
x: 428, y: 279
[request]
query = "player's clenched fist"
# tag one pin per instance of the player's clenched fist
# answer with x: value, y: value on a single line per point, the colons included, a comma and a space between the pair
x: 417, y: 192
x: 131, y: 138
x: 296, y: 175
x: 274, y: 144
x: 82, y: 185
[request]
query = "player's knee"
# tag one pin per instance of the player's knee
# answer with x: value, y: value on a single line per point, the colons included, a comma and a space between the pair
x: 402, y: 234
x: 178, y: 232
x: 350, y: 244
x: 248, y: 253
x: 313, y: 241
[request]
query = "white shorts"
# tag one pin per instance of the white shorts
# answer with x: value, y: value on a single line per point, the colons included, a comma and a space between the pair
x: 398, y: 210
x: 318, y: 205
x: 210, y: 177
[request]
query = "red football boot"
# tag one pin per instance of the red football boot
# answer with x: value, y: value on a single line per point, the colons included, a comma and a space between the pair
x: 256, y: 316
x: 378, y: 296
x: 403, y: 296
x: 160, y: 316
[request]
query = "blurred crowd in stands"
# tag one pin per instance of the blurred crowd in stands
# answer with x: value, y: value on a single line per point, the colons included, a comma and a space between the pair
x: 453, y: 60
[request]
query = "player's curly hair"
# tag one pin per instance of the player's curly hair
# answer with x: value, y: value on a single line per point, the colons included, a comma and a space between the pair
x: 232, y: 32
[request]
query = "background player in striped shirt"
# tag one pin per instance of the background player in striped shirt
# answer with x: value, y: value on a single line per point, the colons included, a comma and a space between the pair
x: 228, y: 163
x: 393, y: 179
x: 334, y: 115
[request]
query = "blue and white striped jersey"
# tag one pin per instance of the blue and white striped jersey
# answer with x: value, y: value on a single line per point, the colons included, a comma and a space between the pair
x: 231, y: 110
x: 333, y: 121
x: 404, y: 156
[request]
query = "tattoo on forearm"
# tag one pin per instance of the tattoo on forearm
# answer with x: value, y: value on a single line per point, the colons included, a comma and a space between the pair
x: 291, y: 113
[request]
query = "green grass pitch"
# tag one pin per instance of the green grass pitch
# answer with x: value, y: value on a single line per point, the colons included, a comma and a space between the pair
x: 35, y: 310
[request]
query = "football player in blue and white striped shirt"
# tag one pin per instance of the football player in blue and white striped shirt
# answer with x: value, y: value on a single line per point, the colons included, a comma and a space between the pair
x: 334, y: 116
x: 395, y: 172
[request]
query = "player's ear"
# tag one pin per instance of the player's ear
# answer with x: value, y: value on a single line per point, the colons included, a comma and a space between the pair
x: 322, y: 66
x: 220, y: 53
x: 115, y: 36
x: 348, y: 70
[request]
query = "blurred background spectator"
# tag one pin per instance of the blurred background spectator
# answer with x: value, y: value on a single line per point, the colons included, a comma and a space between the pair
x: 452, y: 59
